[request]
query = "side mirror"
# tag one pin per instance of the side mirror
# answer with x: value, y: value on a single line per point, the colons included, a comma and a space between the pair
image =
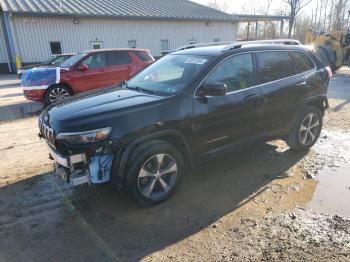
x: 214, y: 89
x: 82, y: 67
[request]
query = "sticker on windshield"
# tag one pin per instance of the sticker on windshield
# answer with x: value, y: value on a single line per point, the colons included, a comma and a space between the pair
x: 193, y: 60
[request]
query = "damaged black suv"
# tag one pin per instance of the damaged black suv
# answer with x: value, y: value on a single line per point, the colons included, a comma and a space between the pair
x: 190, y: 105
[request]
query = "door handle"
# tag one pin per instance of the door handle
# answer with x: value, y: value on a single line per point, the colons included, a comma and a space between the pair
x: 252, y: 97
x: 302, y: 83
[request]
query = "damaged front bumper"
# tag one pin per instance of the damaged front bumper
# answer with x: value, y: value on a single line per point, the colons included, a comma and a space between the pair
x: 83, y: 168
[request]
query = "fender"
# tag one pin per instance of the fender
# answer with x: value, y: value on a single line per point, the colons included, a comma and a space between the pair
x: 318, y: 99
x: 124, y: 154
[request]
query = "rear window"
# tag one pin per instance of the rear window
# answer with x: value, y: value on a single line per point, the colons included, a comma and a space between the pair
x: 274, y: 65
x: 302, y: 62
x: 144, y: 56
x: 118, y: 58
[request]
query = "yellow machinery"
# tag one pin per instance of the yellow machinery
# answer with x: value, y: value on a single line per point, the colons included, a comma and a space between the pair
x: 333, y: 47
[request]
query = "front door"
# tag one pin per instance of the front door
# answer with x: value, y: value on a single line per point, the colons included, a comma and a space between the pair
x: 94, y: 76
x: 223, y: 120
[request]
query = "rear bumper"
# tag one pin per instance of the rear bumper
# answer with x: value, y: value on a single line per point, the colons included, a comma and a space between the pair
x: 35, y: 94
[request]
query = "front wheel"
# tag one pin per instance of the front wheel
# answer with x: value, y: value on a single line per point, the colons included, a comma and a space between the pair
x: 56, y: 93
x: 306, y: 129
x: 154, y: 173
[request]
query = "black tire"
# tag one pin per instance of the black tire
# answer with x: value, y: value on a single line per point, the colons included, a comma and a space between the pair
x: 145, y: 156
x: 56, y: 89
x: 298, y: 133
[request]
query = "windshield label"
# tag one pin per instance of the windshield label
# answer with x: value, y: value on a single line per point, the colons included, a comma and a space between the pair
x: 193, y: 60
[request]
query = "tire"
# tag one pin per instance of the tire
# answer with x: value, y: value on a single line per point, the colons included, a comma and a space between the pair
x: 148, y: 182
x: 60, y: 92
x: 306, y: 129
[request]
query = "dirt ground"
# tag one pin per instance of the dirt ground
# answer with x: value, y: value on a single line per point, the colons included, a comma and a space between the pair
x: 265, y: 203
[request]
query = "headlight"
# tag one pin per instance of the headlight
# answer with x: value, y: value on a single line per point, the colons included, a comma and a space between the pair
x: 85, y: 137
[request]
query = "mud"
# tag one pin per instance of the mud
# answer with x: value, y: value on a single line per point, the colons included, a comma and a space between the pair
x: 265, y: 203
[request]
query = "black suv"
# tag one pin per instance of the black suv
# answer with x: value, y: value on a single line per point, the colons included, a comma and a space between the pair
x: 187, y: 107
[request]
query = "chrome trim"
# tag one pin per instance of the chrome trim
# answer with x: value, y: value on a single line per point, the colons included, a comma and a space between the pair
x: 250, y: 52
x: 216, y: 139
x: 47, y: 132
x: 58, y: 157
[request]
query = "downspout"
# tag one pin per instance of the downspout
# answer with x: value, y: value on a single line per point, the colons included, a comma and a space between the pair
x: 10, y: 47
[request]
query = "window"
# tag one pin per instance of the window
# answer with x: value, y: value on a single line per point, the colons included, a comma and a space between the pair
x: 236, y: 72
x: 274, y: 65
x: 59, y: 60
x: 56, y: 48
x: 96, y: 44
x: 164, y: 45
x: 118, y: 58
x: 95, y: 61
x: 132, y: 43
x: 144, y: 56
x: 216, y: 40
x: 302, y: 62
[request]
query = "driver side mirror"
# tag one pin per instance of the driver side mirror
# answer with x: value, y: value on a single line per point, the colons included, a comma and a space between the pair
x: 82, y: 67
x: 214, y: 89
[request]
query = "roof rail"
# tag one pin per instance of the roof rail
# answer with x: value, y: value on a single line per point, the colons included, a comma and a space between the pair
x: 189, y: 46
x: 239, y: 44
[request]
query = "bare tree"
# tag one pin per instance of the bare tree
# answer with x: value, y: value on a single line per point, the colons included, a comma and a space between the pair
x: 294, y: 8
x: 222, y: 7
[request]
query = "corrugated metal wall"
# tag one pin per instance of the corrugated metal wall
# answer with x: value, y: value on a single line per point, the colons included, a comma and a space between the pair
x: 3, y: 54
x: 33, y: 34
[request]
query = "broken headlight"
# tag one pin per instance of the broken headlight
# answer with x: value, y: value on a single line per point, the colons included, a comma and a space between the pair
x: 85, y: 136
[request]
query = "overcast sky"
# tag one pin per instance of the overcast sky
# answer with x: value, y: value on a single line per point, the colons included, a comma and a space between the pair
x: 248, y: 6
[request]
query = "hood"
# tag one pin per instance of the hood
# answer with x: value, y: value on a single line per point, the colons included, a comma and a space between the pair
x: 97, y: 109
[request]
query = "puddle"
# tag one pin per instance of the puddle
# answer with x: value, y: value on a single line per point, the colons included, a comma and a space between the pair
x: 332, y: 194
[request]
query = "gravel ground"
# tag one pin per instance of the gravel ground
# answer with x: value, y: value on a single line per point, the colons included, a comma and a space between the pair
x: 251, y: 205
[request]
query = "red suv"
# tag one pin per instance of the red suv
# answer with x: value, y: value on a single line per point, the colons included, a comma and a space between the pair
x: 83, y: 72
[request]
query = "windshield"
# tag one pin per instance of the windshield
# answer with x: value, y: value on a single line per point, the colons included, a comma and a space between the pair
x: 72, y: 60
x: 170, y: 74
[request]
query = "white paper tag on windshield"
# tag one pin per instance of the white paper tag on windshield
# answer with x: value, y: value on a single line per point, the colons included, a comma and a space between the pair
x: 194, y: 60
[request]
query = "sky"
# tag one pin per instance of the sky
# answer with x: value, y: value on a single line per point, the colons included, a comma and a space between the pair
x: 248, y: 6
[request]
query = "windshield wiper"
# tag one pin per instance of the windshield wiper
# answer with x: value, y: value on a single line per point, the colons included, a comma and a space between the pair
x: 139, y: 89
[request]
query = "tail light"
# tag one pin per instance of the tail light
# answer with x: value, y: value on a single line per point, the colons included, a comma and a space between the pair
x: 329, y: 71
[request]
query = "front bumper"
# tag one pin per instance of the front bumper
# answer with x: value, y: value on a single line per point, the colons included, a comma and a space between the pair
x: 35, y: 94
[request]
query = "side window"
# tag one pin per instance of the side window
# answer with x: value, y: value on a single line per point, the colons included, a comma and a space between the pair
x: 236, y: 72
x: 274, y: 65
x: 302, y: 62
x: 143, y: 56
x: 95, y: 61
x: 118, y: 58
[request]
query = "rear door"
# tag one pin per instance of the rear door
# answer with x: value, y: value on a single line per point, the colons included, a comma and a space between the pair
x: 222, y: 120
x: 119, y: 67
x: 93, y: 77
x: 279, y: 82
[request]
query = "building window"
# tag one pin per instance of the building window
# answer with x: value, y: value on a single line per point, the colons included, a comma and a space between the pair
x: 132, y: 43
x: 164, y: 45
x: 56, y: 48
x: 216, y: 40
x: 96, y: 44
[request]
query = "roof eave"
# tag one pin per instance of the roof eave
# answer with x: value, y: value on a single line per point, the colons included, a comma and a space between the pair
x: 232, y: 19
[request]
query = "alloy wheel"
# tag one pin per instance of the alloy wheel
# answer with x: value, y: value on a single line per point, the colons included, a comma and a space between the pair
x: 157, y: 176
x: 309, y: 129
x: 58, y: 94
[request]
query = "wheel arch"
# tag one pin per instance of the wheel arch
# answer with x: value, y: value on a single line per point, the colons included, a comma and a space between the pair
x: 171, y: 136
x: 59, y: 84
x: 320, y: 102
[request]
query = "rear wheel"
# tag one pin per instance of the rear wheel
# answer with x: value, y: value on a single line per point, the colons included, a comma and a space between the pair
x: 154, y: 173
x: 306, y: 129
x: 56, y: 93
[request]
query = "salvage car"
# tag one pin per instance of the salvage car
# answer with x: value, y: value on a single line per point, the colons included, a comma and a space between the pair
x: 83, y: 72
x: 54, y: 60
x: 187, y: 107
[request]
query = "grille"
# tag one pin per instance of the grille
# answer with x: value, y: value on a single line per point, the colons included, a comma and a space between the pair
x: 46, y: 132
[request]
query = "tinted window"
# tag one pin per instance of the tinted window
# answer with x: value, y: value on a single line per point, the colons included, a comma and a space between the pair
x: 95, y: 61
x: 55, y: 48
x: 274, y: 65
x: 118, y: 58
x: 302, y: 62
x: 236, y: 72
x: 144, y: 56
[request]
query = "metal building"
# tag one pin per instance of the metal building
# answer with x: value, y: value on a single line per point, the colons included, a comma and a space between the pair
x: 35, y: 29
